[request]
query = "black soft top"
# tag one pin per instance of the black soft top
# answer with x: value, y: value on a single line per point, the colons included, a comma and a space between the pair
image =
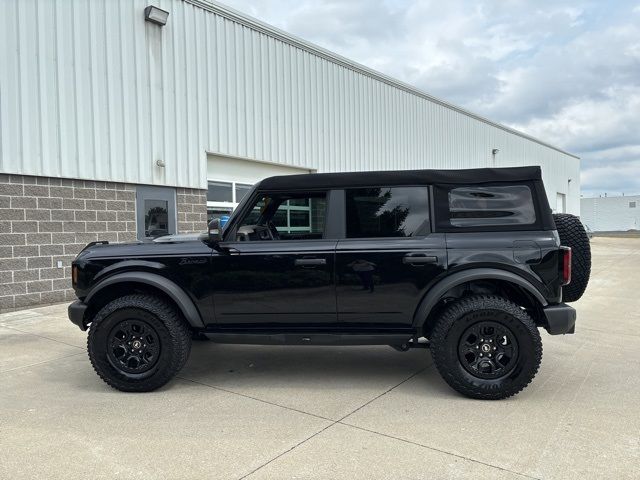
x: 402, y: 177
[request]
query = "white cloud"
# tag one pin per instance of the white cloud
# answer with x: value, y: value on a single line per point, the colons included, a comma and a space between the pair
x: 595, y: 124
x: 614, y: 179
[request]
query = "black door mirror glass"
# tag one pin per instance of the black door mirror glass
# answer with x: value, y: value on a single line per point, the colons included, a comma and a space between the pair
x: 215, y: 230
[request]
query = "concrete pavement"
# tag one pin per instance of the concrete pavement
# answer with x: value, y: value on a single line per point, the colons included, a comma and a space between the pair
x: 330, y: 412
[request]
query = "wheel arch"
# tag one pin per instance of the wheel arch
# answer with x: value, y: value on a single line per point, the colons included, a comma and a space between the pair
x: 429, y: 305
x: 126, y: 282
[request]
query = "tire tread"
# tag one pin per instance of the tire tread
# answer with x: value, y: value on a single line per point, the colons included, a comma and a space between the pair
x: 572, y: 234
x: 462, y: 307
x: 178, y: 331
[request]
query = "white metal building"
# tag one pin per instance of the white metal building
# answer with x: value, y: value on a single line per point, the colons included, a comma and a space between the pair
x: 611, y: 214
x: 94, y: 97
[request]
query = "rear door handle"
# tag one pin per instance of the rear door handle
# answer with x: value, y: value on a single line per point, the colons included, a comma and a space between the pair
x: 418, y: 259
x: 308, y: 262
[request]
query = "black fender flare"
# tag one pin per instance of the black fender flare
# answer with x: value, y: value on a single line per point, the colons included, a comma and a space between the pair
x: 436, y: 292
x: 173, y: 291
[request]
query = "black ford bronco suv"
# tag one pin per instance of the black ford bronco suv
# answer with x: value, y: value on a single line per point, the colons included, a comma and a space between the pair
x: 468, y: 263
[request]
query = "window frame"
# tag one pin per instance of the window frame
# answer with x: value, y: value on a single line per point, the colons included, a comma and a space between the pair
x: 296, y: 208
x: 442, y: 219
x: 148, y: 192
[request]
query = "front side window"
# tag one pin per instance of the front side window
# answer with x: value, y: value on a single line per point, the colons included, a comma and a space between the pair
x: 387, y: 212
x: 285, y: 217
x: 491, y: 206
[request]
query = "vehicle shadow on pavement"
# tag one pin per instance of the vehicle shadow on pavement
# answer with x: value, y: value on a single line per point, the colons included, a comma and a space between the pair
x: 321, y: 363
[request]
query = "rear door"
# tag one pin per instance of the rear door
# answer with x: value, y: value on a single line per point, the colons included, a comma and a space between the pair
x: 388, y: 258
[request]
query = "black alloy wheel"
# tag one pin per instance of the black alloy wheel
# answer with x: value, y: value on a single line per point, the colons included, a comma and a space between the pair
x: 488, y: 350
x: 134, y: 346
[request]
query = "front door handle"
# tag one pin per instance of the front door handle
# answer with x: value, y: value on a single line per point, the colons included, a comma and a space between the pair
x: 417, y: 259
x: 309, y: 262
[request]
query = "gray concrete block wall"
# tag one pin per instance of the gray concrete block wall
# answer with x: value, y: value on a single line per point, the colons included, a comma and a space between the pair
x: 191, y: 210
x: 44, y: 221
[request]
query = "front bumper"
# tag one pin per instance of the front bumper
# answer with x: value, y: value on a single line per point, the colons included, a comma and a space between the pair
x: 76, y: 313
x: 561, y: 319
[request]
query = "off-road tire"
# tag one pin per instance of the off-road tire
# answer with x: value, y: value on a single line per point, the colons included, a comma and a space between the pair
x: 572, y: 234
x: 469, y: 311
x: 171, y: 330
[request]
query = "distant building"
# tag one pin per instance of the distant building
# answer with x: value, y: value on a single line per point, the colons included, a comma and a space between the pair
x: 606, y: 214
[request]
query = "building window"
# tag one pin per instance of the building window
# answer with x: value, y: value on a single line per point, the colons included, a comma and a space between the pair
x: 299, y: 218
x: 387, y: 212
x: 241, y: 190
x: 220, y: 192
x: 224, y: 197
x: 632, y: 204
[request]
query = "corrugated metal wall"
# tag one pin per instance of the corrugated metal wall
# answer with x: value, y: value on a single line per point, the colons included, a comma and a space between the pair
x: 611, y: 214
x: 88, y: 89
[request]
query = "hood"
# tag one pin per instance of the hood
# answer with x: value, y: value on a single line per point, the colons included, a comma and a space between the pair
x: 184, y: 245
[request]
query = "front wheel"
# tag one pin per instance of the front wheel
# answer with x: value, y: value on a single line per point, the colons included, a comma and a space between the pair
x: 486, y: 347
x: 137, y: 343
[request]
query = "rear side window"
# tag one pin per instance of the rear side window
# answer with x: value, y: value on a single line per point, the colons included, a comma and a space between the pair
x: 387, y: 212
x: 491, y: 206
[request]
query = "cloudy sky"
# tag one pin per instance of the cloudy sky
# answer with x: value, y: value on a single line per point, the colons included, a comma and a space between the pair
x: 566, y: 72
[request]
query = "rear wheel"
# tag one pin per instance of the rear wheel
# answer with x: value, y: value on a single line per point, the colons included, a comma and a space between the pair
x: 486, y: 347
x: 137, y: 343
x: 572, y: 234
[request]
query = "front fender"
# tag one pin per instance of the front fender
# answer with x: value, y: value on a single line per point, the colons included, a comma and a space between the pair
x: 436, y: 292
x: 173, y: 291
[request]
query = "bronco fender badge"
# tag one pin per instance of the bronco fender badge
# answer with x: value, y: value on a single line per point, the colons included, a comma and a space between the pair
x: 192, y: 261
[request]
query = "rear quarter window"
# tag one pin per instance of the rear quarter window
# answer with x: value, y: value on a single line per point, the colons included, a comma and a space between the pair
x: 486, y: 207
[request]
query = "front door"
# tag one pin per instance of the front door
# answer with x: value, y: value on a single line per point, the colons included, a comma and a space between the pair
x: 389, y: 257
x: 278, y: 269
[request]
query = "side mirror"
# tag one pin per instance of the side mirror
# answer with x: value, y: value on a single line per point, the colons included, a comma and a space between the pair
x: 215, y: 230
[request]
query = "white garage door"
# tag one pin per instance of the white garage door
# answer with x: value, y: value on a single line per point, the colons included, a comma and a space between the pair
x: 229, y: 179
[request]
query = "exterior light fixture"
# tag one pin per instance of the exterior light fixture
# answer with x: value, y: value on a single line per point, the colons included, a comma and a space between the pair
x: 495, y: 151
x: 156, y: 15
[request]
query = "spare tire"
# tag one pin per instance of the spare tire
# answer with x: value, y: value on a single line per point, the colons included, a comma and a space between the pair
x: 572, y: 234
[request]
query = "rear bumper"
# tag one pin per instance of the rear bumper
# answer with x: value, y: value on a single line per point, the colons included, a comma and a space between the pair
x: 76, y: 314
x: 561, y: 319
